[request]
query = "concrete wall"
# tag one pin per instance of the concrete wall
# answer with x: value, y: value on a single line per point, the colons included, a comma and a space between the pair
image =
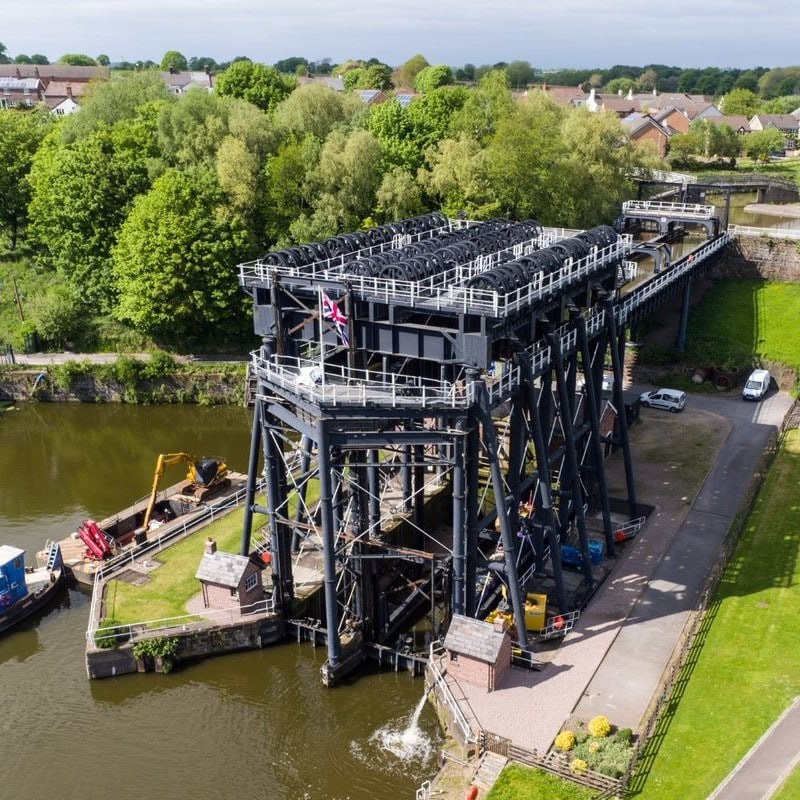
x: 201, y: 641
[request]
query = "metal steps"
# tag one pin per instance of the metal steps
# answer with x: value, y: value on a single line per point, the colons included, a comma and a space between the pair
x: 492, y: 764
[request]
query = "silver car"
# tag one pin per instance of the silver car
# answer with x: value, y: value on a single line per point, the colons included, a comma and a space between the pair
x: 668, y: 399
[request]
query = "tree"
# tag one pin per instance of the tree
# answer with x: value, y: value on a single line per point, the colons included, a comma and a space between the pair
x: 620, y: 86
x: 759, y: 145
x: 742, y: 102
x: 77, y: 60
x: 458, y: 178
x: 38, y: 58
x: 399, y: 196
x: 316, y: 109
x: 4, y: 59
x: 406, y: 74
x: 775, y: 82
x: 103, y: 60
x: 432, y: 78
x: 520, y: 74
x: 288, y: 66
x: 174, y: 61
x: 201, y: 63
x: 260, y: 85
x: 109, y: 102
x: 391, y: 125
x: 342, y: 185
x: 683, y: 145
x: 174, y: 262
x: 484, y: 107
x: 82, y: 192
x: 432, y: 114
x: 20, y: 137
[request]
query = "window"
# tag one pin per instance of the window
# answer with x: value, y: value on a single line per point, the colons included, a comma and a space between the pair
x: 251, y: 581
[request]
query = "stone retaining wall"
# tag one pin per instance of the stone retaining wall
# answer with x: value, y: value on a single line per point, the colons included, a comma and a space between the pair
x: 760, y: 258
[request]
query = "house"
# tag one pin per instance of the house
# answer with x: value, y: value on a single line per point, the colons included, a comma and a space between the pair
x: 646, y: 128
x: 335, y: 82
x: 674, y: 119
x: 371, y: 97
x: 405, y: 98
x: 181, y: 81
x: 737, y: 122
x: 787, y: 124
x: 477, y: 652
x: 63, y: 98
x: 565, y: 95
x: 229, y: 581
x: 55, y: 72
x: 20, y: 92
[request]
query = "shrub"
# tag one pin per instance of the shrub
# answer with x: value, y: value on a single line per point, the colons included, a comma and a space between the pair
x: 625, y: 736
x: 109, y: 634
x: 599, y: 727
x: 578, y: 766
x: 565, y: 741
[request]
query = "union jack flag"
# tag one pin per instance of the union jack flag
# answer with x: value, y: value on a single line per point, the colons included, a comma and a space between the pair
x: 331, y: 311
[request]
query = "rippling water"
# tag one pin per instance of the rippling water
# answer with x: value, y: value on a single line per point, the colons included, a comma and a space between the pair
x: 251, y: 725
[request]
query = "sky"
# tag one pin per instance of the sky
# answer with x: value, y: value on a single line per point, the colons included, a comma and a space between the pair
x: 552, y: 34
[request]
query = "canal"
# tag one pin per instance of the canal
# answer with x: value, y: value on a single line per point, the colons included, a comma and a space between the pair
x: 250, y: 725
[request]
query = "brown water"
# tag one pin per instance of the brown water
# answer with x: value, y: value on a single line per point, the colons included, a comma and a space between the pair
x: 251, y: 725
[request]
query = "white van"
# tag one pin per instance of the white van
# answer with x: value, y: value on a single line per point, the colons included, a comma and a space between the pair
x: 668, y: 399
x: 757, y: 385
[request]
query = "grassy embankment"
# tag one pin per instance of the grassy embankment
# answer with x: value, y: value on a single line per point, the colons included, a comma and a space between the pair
x: 739, y: 324
x: 743, y: 670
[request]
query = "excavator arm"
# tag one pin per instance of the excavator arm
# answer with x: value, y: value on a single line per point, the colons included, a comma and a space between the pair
x: 165, y: 460
x: 204, y: 475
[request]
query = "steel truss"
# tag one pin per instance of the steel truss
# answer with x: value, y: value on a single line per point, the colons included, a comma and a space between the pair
x: 431, y: 455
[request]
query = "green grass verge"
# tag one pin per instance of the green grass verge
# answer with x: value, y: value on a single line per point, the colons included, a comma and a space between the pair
x: 172, y: 585
x: 744, y: 670
x: 516, y: 782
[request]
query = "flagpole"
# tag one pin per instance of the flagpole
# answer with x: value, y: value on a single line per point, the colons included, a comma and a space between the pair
x: 321, y: 339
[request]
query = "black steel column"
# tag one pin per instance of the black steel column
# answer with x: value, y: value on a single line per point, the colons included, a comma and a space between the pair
x: 374, y: 485
x: 302, y: 489
x: 508, y: 536
x: 252, y: 478
x: 683, y: 327
x: 617, y: 346
x: 459, y: 519
x: 472, y: 456
x: 576, y: 492
x: 328, y: 544
x: 594, y: 422
x: 544, y: 500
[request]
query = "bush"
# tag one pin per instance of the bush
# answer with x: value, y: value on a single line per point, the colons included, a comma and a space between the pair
x: 109, y: 634
x: 599, y: 727
x: 578, y: 766
x: 565, y: 741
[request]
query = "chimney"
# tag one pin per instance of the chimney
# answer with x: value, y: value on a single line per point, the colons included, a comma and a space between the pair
x: 36, y: 72
x: 69, y: 91
x: 19, y: 74
x: 211, y: 546
x: 499, y: 623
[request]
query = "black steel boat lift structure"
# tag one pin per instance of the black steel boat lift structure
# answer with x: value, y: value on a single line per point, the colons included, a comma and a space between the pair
x: 429, y: 386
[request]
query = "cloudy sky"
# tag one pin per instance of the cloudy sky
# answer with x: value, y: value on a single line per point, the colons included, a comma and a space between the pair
x: 551, y: 33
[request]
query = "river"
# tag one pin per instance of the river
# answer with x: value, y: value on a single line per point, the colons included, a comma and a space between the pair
x: 256, y: 724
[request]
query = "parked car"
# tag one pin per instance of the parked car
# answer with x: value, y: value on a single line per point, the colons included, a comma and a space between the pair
x: 757, y: 385
x: 668, y: 399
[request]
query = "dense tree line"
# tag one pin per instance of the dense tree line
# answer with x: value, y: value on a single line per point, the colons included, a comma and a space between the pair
x: 138, y: 208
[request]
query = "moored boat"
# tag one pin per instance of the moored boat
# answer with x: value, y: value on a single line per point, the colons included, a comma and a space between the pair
x: 24, y: 590
x: 209, y: 488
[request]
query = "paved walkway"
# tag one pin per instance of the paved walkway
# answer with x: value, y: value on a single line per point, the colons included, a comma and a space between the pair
x: 613, y: 662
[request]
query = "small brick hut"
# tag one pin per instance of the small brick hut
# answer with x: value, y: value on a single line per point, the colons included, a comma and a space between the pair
x: 228, y: 580
x: 477, y: 652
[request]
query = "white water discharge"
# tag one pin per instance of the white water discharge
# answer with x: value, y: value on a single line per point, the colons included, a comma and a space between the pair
x: 406, y: 742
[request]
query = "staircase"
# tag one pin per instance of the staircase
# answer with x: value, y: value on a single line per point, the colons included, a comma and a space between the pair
x: 489, y: 769
x: 53, y: 554
x: 250, y: 386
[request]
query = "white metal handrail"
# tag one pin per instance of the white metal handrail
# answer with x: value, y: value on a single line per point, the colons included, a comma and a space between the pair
x: 436, y: 650
x: 662, y: 208
x: 174, y: 530
x: 766, y: 233
x: 183, y: 622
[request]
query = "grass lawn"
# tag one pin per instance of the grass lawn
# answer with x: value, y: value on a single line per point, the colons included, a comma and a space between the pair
x: 517, y: 782
x: 760, y: 322
x: 744, y: 671
x: 168, y: 590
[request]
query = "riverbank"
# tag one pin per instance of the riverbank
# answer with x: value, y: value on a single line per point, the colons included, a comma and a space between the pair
x: 775, y: 210
x: 158, y: 378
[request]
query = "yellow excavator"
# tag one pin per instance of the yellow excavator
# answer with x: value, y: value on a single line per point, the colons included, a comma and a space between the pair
x: 205, y: 476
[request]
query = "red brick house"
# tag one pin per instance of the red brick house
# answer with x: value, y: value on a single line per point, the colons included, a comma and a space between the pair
x: 228, y: 580
x: 477, y: 652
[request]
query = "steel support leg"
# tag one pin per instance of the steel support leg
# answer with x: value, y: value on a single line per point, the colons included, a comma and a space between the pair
x: 459, y: 520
